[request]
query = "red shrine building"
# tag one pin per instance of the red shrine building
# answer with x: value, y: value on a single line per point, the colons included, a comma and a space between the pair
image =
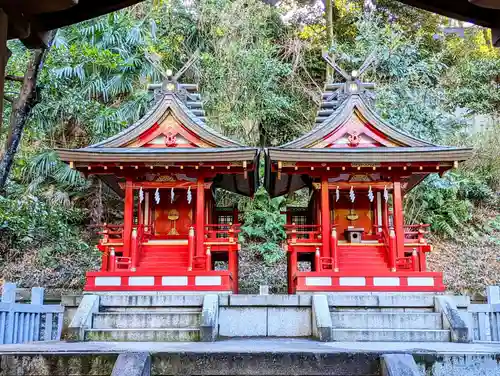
x: 168, y: 167
x: 352, y: 236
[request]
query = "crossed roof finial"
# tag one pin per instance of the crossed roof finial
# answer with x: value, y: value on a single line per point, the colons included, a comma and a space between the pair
x: 352, y: 84
x: 170, y: 81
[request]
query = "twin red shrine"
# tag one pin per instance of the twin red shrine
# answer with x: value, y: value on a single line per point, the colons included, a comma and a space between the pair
x: 351, y: 236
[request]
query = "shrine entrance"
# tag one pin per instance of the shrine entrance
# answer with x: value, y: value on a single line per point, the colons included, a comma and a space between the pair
x: 172, y: 216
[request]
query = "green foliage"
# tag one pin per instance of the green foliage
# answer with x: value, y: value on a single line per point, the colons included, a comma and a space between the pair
x: 30, y: 223
x: 263, y: 231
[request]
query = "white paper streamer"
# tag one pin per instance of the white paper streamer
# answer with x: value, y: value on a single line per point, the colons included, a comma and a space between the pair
x: 352, y: 195
x: 386, y: 194
x: 157, y: 195
x: 172, y: 195
x: 189, y: 195
x: 370, y: 194
x: 337, y: 194
x: 141, y: 195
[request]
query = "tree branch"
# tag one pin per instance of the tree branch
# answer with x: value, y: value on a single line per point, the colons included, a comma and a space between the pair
x: 11, y: 77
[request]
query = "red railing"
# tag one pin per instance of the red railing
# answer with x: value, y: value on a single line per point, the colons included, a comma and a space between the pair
x: 303, y: 233
x: 416, y: 233
x: 222, y: 233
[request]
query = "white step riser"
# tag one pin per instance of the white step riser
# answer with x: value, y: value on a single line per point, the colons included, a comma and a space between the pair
x: 151, y: 301
x: 143, y: 321
x: 151, y: 309
x: 387, y: 335
x: 375, y: 320
x: 154, y: 335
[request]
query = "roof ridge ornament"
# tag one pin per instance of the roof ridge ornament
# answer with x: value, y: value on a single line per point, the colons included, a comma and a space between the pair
x: 353, y: 84
x: 170, y: 83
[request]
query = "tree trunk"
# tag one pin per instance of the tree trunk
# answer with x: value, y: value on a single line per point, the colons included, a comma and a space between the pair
x: 329, y: 9
x: 21, y: 109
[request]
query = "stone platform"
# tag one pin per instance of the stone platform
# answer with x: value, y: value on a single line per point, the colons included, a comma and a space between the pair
x: 250, y: 357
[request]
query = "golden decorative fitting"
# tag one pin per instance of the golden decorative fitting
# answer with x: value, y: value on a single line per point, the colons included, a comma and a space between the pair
x: 136, y: 167
x: 151, y: 167
x: 359, y: 168
x: 196, y: 167
x: 182, y: 167
x: 208, y: 250
x: 133, y: 269
x: 244, y: 164
x: 421, y: 168
x: 71, y: 164
x: 121, y: 167
x: 437, y: 167
x: 89, y: 168
x: 343, y: 168
x: 212, y: 167
x: 404, y: 168
x: 228, y: 167
x: 336, y: 270
x: 374, y: 168
x: 393, y: 270
x: 389, y: 168
x: 312, y: 168
x: 455, y: 164
x: 414, y: 252
x: 296, y: 168
x: 328, y: 169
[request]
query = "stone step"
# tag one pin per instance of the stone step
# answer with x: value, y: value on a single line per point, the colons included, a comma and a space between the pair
x: 145, y: 320
x: 143, y: 335
x: 387, y: 320
x: 390, y: 335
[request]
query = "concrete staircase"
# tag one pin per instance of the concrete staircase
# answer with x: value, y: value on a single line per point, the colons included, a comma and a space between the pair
x: 386, y: 317
x: 146, y: 318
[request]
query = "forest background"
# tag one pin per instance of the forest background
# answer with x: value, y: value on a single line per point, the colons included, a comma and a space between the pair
x: 261, y: 74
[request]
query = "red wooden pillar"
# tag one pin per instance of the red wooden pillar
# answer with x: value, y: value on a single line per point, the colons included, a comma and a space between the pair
x: 398, y: 218
x: 385, y: 215
x: 200, y: 215
x: 128, y: 214
x: 325, y: 217
x: 233, y: 268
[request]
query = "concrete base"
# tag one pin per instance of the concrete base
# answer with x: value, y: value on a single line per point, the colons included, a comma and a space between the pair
x: 132, y: 364
x: 250, y: 357
x: 399, y: 365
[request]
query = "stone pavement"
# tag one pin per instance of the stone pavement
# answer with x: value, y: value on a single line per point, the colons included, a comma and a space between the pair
x: 253, y: 345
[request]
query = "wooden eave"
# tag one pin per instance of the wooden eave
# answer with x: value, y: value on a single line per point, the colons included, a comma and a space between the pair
x: 29, y: 20
x: 155, y: 156
x: 463, y: 10
x: 371, y: 155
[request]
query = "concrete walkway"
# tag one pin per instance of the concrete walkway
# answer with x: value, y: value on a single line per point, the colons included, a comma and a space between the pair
x: 253, y: 346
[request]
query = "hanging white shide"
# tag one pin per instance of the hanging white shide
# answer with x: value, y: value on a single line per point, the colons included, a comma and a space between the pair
x: 189, y: 195
x: 370, y: 194
x: 157, y: 196
x: 352, y: 195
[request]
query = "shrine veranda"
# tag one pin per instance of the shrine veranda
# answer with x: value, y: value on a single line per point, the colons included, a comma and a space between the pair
x: 350, y: 237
